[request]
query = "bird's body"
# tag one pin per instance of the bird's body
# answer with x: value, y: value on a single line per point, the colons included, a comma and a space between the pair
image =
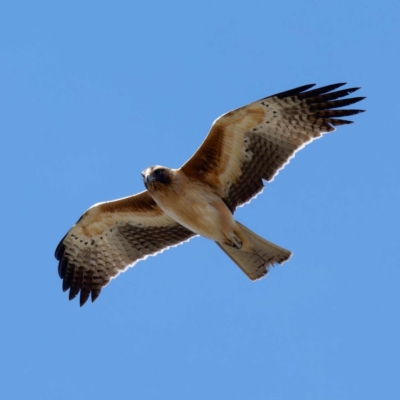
x: 200, y: 209
x: 244, y: 147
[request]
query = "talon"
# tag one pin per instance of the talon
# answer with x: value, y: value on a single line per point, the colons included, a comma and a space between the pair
x: 236, y: 242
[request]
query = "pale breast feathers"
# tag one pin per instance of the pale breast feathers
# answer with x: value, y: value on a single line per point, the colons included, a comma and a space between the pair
x: 109, y: 238
x: 254, y: 142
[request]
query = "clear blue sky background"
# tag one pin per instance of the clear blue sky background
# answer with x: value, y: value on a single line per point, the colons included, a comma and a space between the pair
x: 91, y: 93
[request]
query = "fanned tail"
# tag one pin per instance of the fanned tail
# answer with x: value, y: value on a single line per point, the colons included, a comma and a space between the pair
x: 255, y: 261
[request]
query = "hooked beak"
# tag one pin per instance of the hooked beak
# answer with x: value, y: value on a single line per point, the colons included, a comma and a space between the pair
x: 147, y: 178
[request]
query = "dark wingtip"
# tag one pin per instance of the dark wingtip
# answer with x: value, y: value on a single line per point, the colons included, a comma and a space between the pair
x: 334, y: 86
x: 95, y: 294
x: 72, y: 293
x: 293, y: 92
x: 66, y: 284
x: 357, y: 111
x: 356, y: 99
x: 76, y: 283
x: 83, y: 297
x: 303, y: 92
x: 60, y: 249
x: 349, y: 90
x: 62, y: 268
x: 321, y: 90
x: 339, y: 122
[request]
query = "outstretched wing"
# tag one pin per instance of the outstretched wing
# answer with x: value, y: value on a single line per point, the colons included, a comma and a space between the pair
x: 109, y: 238
x: 254, y: 142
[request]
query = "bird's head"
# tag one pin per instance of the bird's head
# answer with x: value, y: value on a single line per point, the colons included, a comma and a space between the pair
x: 155, y: 176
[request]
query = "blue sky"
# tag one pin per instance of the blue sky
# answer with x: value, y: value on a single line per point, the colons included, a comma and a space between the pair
x: 91, y: 93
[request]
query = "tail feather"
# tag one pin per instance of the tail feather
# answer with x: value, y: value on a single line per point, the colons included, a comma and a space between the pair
x: 255, y: 261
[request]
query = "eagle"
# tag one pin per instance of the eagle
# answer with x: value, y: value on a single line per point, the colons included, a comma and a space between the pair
x: 243, y: 148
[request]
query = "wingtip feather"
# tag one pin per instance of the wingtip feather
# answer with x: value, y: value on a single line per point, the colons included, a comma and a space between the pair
x: 60, y: 249
x: 83, y: 297
x: 95, y: 294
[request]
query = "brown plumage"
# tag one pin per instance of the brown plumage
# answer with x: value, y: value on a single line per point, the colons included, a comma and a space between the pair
x: 243, y: 148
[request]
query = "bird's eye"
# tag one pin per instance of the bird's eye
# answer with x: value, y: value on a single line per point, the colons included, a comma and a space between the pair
x: 158, y: 172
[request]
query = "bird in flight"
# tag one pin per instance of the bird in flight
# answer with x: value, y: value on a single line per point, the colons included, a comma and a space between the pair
x: 244, y: 147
